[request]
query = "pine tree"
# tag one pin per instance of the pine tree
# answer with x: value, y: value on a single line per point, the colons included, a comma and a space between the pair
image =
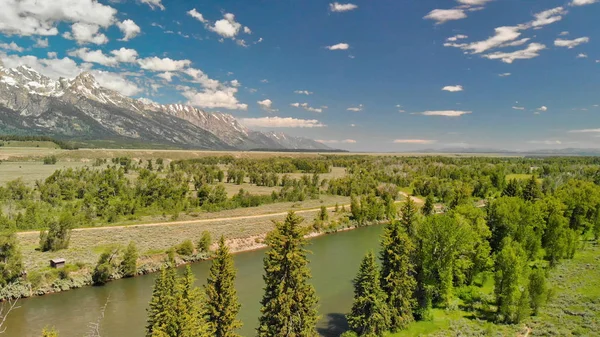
x: 222, y: 304
x: 512, y: 189
x: 162, y: 320
x: 397, y: 274
x: 129, y: 263
x: 429, y: 206
x: 532, y: 190
x: 369, y: 315
x: 408, y: 217
x: 289, y: 302
x: 189, y: 311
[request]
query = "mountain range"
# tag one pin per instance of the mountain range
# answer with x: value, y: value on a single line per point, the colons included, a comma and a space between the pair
x: 81, y: 109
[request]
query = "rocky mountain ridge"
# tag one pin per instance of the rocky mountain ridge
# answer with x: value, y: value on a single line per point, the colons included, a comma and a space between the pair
x: 80, y: 108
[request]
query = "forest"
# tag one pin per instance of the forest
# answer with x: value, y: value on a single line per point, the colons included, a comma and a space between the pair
x: 498, y: 223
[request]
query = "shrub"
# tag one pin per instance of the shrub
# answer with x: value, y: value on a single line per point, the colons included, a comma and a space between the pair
x: 129, y: 263
x: 204, y: 242
x: 105, y: 267
x: 186, y: 248
x: 50, y: 160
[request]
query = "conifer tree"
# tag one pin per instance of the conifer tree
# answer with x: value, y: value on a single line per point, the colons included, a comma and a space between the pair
x: 512, y: 189
x: 429, y: 206
x: 289, y: 302
x: 369, y: 315
x: 189, y: 311
x: 222, y: 304
x: 397, y: 274
x: 162, y: 320
x: 532, y: 190
x: 408, y: 217
x: 129, y: 263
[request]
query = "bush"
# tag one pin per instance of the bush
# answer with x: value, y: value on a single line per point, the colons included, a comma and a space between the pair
x: 204, y: 242
x: 50, y: 160
x: 186, y: 248
x: 129, y: 263
x: 105, y: 267
x: 58, y: 235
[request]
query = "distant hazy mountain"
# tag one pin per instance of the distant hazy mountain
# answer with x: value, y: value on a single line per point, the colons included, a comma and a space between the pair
x: 80, y: 108
x: 546, y: 152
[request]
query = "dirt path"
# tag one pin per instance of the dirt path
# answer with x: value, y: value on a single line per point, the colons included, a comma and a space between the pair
x: 200, y: 221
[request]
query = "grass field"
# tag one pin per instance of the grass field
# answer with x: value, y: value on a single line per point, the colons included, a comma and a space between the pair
x: 33, y: 144
x: 518, y: 176
x: 31, y: 171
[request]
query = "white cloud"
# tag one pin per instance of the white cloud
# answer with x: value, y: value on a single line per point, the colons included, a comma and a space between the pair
x: 86, y: 33
x: 11, y: 46
x: 164, y: 64
x: 583, y: 2
x: 223, y: 97
x: 356, y: 108
x: 125, y: 55
x: 528, y: 53
x: 226, y: 27
x: 334, y: 141
x: 585, y: 131
x: 515, y: 43
x: 502, y: 35
x: 339, y: 46
x: 266, y: 105
x: 582, y: 56
x: 167, y: 76
x: 51, y: 67
x: 196, y: 15
x: 571, y: 43
x: 52, y: 54
x: 247, y: 30
x: 116, y: 82
x: 444, y: 15
x: 303, y: 92
x: 447, y: 113
x: 473, y: 2
x: 504, y: 74
x: 41, y: 43
x: 546, y: 142
x: 453, y: 88
x: 548, y: 16
x: 281, y: 122
x: 457, y: 37
x: 306, y: 107
x: 198, y: 76
x: 235, y: 83
x: 543, y: 108
x: 338, y: 7
x: 518, y: 108
x: 414, y: 141
x: 264, y: 80
x: 93, y: 56
x: 129, y: 28
x: 564, y: 33
x: 34, y: 17
x: 154, y: 3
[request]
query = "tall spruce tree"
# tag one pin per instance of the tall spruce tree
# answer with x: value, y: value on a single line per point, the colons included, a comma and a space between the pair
x: 408, y: 217
x: 289, y: 303
x: 369, y: 315
x: 429, y: 205
x: 129, y: 263
x: 397, y: 274
x: 189, y: 310
x: 222, y: 304
x: 162, y: 320
x: 532, y: 190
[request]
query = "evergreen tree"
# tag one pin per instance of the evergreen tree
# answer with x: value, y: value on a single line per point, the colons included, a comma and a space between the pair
x: 408, y: 217
x: 323, y: 215
x: 429, y: 206
x: 512, y: 189
x: 129, y: 263
x: 288, y: 305
x: 11, y: 264
x: 162, y: 319
x: 204, y: 242
x: 222, y: 304
x: 532, y: 190
x: 189, y: 312
x: 391, y: 212
x: 369, y: 315
x: 397, y: 274
x: 511, y: 282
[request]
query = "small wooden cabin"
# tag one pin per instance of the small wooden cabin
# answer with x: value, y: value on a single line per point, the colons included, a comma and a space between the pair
x: 57, y: 263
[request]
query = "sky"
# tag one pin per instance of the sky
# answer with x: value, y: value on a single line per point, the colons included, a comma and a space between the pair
x: 365, y: 75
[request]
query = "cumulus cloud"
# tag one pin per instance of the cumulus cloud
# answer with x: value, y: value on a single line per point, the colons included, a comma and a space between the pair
x: 548, y: 16
x: 125, y: 55
x: 167, y: 76
x: 583, y: 2
x: 222, y: 97
x: 334, y: 141
x: 441, y: 16
x: 504, y: 74
x: 356, y: 108
x: 41, y: 43
x: 196, y: 15
x: 281, y: 122
x: 447, y: 113
x: 116, y: 82
x: 11, y: 46
x: 266, y: 105
x: 198, y: 76
x: 247, y: 30
x: 414, y: 141
x: 457, y: 37
x: 129, y: 29
x: 226, y: 27
x: 51, y: 67
x: 235, y: 83
x: 303, y: 92
x: 339, y: 46
x: 338, y: 7
x: 93, y: 56
x: 453, y: 88
x: 164, y: 64
x: 582, y: 56
x: 543, y: 108
x: 571, y: 43
x: 528, y: 53
x: 306, y: 107
x: 33, y: 17
x: 154, y: 4
x: 84, y: 33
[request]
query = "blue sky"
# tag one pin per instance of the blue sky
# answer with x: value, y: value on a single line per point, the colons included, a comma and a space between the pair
x: 385, y: 75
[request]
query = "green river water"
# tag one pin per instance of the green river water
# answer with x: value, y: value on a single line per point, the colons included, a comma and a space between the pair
x: 334, y: 262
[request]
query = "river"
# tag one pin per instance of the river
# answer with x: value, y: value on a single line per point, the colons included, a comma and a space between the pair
x: 334, y: 262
